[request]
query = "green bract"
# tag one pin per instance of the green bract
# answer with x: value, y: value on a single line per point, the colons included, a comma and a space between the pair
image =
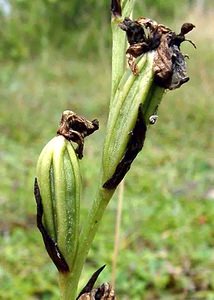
x: 59, y: 182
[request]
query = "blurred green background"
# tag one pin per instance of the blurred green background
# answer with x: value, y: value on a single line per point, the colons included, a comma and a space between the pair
x: 56, y: 55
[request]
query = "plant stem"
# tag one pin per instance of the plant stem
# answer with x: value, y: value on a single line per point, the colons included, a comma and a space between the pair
x: 117, y: 232
x: 69, y: 283
x: 119, y: 45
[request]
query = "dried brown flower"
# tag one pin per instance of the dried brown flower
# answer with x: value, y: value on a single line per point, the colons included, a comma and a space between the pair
x: 145, y: 35
x: 75, y: 128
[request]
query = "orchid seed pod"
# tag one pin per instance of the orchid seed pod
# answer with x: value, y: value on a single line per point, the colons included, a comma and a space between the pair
x: 58, y: 185
x: 156, y: 63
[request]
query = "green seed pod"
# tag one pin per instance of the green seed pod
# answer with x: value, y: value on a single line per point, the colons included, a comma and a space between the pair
x: 136, y: 99
x: 59, y: 183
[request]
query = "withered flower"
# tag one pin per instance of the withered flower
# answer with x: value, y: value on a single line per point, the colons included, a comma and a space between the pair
x: 145, y: 35
x: 103, y: 292
x: 75, y: 128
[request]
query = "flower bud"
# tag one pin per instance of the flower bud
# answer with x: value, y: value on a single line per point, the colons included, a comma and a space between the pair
x: 59, y: 185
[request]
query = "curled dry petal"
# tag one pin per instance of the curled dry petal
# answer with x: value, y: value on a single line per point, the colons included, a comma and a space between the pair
x: 75, y: 128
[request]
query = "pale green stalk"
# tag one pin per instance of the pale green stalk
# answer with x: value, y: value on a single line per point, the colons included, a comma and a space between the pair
x: 119, y: 45
x: 69, y: 283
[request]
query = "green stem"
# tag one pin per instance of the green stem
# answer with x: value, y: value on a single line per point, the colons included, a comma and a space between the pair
x: 118, y: 46
x: 69, y: 282
x: 118, y: 60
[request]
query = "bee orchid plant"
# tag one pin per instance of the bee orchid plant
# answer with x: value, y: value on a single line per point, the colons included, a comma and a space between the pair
x: 146, y: 61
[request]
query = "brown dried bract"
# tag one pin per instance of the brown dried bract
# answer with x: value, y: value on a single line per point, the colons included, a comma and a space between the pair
x: 145, y: 35
x: 90, y: 284
x: 104, y: 292
x: 75, y: 128
x: 50, y: 245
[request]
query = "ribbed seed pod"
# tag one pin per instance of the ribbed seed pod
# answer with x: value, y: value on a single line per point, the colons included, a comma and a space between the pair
x: 135, y: 100
x: 59, y: 182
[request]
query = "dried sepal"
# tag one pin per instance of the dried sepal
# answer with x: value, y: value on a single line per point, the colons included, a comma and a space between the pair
x: 90, y: 284
x: 146, y: 35
x: 103, y: 292
x: 75, y: 128
x: 50, y: 245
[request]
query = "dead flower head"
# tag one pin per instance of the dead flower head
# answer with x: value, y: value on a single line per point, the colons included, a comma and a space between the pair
x: 145, y: 35
x: 75, y: 128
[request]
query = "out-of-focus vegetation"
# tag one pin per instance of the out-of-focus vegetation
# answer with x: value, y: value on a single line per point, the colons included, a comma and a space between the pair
x: 30, y: 27
x: 167, y: 238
